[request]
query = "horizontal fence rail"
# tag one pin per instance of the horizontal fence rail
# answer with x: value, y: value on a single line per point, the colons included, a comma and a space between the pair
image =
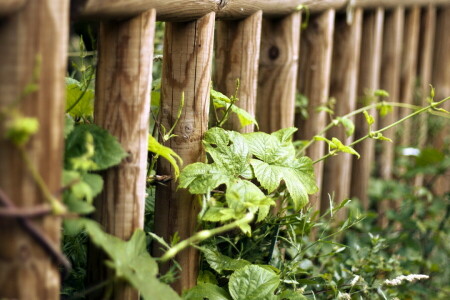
x: 184, y: 10
x: 348, y: 49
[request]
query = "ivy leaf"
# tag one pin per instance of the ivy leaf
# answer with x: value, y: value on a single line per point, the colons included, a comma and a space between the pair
x: 170, y: 155
x: 206, y: 291
x: 348, y: 125
x: 108, y: 152
x: 253, y: 283
x: 131, y: 262
x: 219, y: 262
x: 74, y: 92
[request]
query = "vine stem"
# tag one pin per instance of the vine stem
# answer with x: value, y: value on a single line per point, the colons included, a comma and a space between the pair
x: 433, y: 105
x: 203, y: 235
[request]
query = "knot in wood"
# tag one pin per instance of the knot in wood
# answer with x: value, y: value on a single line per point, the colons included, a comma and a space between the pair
x: 274, y: 52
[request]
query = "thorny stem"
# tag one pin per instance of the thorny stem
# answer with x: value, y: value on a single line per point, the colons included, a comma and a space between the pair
x: 203, y: 235
x: 372, y: 133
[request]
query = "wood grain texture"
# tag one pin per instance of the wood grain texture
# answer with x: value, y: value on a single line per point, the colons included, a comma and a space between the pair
x: 390, y: 81
x: 184, y: 10
x: 426, y: 46
x: 343, y: 87
x: 316, y: 48
x: 369, y: 76
x: 10, y: 6
x: 186, y: 68
x: 441, y: 81
x: 408, y: 74
x: 39, y: 32
x: 122, y: 107
x: 237, y: 57
x: 278, y: 68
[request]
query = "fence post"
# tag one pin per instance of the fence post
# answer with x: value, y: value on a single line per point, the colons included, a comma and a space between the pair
x: 33, y: 50
x: 390, y: 81
x: 122, y: 107
x: 441, y: 81
x: 237, y: 57
x: 409, y: 69
x: 316, y: 47
x: 343, y: 88
x: 278, y: 68
x: 369, y: 74
x: 425, y: 68
x: 186, y: 69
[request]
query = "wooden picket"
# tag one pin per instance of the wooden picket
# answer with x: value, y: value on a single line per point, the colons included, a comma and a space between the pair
x: 348, y: 50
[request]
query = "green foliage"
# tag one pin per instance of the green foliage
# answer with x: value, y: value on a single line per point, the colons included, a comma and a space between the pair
x: 108, y: 151
x: 335, y: 146
x: 166, y: 152
x: 253, y: 283
x: 19, y: 129
x: 79, y: 99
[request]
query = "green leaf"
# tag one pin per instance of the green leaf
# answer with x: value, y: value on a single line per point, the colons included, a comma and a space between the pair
x: 253, y: 283
x: 385, y: 109
x: 79, y: 101
x: 69, y: 125
x: 219, y: 262
x: 107, y: 150
x: 348, y: 125
x: 291, y: 295
x: 201, y: 178
x: 166, y: 152
x: 244, y: 117
x: 381, y: 93
x: 206, y: 276
x: 206, y: 291
x: 339, y: 146
x: 131, y: 262
x: 370, y: 120
x: 219, y: 96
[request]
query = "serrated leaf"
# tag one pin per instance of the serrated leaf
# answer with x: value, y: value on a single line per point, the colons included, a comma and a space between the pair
x: 348, y: 125
x: 201, y: 178
x: 252, y: 283
x: 131, y: 262
x: 206, y: 291
x: 107, y: 150
x: 219, y: 262
x: 163, y: 151
x: 79, y: 101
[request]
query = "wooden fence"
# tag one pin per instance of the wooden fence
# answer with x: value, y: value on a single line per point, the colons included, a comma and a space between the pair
x: 348, y: 48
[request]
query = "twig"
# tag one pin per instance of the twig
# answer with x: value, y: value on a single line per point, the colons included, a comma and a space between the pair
x: 26, y: 212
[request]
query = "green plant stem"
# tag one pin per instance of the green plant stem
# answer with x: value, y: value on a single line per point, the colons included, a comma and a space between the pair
x: 371, y: 134
x: 203, y: 235
x: 57, y: 207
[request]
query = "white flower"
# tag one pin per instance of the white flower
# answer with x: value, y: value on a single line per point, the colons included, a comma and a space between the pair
x: 344, y: 296
x: 399, y: 279
x: 355, y: 280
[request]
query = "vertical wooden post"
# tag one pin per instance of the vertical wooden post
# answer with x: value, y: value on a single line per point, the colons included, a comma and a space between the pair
x: 316, y: 48
x: 425, y: 70
x: 409, y: 69
x: 278, y: 69
x: 369, y: 74
x: 441, y: 81
x: 343, y: 87
x: 186, y: 69
x: 237, y: 57
x: 33, y: 41
x: 390, y: 81
x: 122, y: 107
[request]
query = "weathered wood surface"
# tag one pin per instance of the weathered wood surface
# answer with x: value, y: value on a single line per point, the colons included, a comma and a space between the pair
x: 343, y: 88
x: 316, y: 48
x: 184, y: 10
x: 278, y: 68
x: 122, y: 107
x: 237, y: 58
x: 34, y: 41
x: 441, y: 81
x: 390, y: 81
x: 409, y: 70
x: 10, y: 6
x: 186, y: 68
x: 426, y: 46
x: 369, y: 74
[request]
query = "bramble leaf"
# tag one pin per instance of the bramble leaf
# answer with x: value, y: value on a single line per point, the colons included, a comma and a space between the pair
x: 253, y: 283
x: 170, y: 155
